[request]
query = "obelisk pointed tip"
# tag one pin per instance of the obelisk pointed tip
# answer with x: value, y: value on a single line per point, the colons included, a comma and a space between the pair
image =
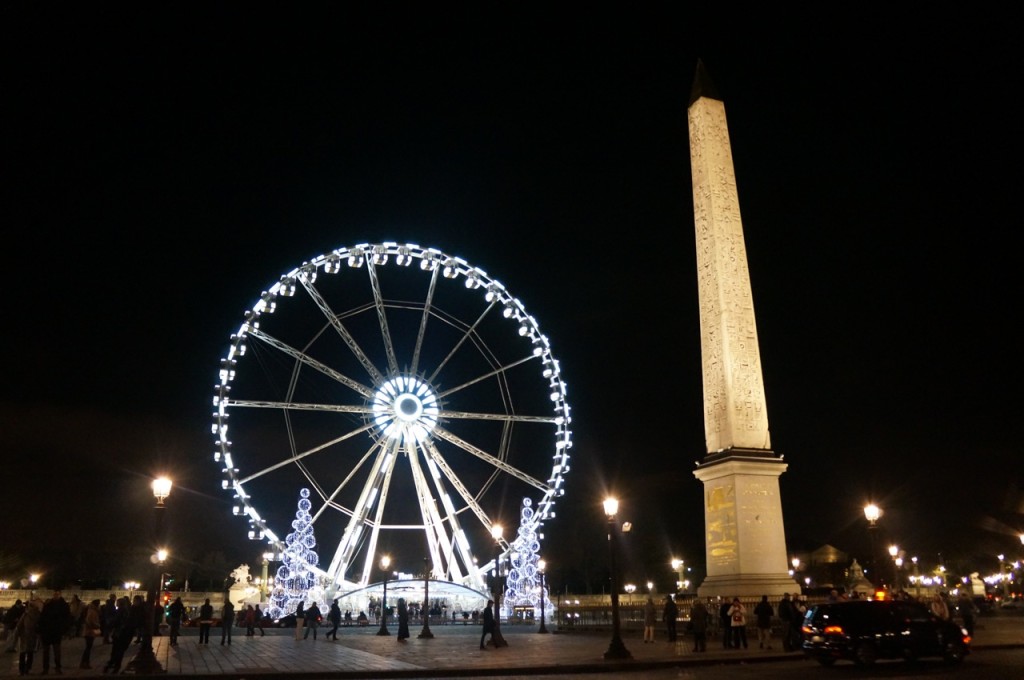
x: 702, y: 85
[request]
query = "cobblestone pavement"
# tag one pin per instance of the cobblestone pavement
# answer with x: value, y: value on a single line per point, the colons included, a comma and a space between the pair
x: 453, y: 651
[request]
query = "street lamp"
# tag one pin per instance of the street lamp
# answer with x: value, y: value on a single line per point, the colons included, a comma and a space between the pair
x: 616, y: 649
x: 267, y: 557
x: 678, y: 566
x: 385, y: 562
x: 145, y: 662
x: 499, y: 586
x: 894, y: 553
x: 871, y: 513
x: 425, y: 633
x: 1004, y: 575
x: 541, y: 564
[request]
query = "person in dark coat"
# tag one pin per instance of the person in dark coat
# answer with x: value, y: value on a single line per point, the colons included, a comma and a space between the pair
x: 723, y: 619
x: 11, y: 617
x: 764, y: 612
x: 334, y: 616
x: 699, y: 625
x: 205, y: 621
x: 227, y: 621
x: 175, y: 617
x: 127, y: 619
x: 312, y: 620
x: 403, y: 620
x: 488, y: 623
x: 669, y: 614
x: 54, y: 622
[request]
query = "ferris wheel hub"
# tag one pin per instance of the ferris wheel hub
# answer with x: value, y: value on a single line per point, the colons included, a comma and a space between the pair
x: 406, y: 408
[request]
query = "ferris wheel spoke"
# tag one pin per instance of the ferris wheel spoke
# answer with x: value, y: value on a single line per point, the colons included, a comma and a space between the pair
x: 308, y: 452
x: 498, y: 371
x: 433, y: 528
x: 295, y: 406
x: 357, y: 521
x: 427, y: 305
x: 329, y: 501
x: 453, y: 515
x: 496, y: 462
x: 466, y: 335
x: 335, y: 321
x: 382, y: 317
x: 312, y: 363
x: 501, y: 417
x: 387, y: 470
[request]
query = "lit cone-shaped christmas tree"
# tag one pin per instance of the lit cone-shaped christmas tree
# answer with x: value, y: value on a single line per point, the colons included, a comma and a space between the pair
x: 296, y: 579
x: 523, y: 582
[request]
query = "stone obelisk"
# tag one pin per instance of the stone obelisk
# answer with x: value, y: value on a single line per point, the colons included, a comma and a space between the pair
x: 744, y: 536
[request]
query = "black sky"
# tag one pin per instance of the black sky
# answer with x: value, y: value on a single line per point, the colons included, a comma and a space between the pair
x: 165, y: 164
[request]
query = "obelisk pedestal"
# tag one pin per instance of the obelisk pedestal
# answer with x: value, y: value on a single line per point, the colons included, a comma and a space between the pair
x: 744, y: 534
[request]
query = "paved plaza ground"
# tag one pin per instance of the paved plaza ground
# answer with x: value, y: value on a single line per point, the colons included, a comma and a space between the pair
x: 452, y: 652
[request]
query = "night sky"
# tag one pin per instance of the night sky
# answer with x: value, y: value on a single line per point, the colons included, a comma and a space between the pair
x: 163, y: 166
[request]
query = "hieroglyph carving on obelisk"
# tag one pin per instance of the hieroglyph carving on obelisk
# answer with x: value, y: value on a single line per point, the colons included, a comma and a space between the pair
x: 735, y: 414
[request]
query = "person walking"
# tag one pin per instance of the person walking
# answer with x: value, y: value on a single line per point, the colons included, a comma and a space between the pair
x: 488, y: 623
x: 699, y: 625
x: 259, y: 621
x: 650, y: 618
x: 54, y: 622
x: 90, y: 631
x: 205, y: 621
x: 227, y: 621
x: 403, y: 620
x: 312, y: 620
x: 334, y: 616
x: 175, y: 617
x: 764, y: 613
x: 738, y: 623
x: 670, y: 614
x: 26, y: 634
x: 250, y: 621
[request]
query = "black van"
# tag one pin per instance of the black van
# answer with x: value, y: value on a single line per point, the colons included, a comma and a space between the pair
x: 865, y: 630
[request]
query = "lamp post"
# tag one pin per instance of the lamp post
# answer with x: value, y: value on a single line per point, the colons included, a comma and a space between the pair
x: 1004, y: 575
x: 871, y: 513
x: 616, y: 650
x: 678, y: 566
x: 498, y: 587
x: 145, y: 662
x: 917, y: 579
x: 894, y: 553
x: 265, y: 566
x: 425, y: 633
x: 385, y: 562
x: 541, y: 564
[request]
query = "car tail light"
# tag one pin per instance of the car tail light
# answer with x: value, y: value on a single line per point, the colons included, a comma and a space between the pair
x: 833, y: 630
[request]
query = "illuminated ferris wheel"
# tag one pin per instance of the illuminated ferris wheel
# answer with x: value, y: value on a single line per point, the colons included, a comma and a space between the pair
x: 412, y: 394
